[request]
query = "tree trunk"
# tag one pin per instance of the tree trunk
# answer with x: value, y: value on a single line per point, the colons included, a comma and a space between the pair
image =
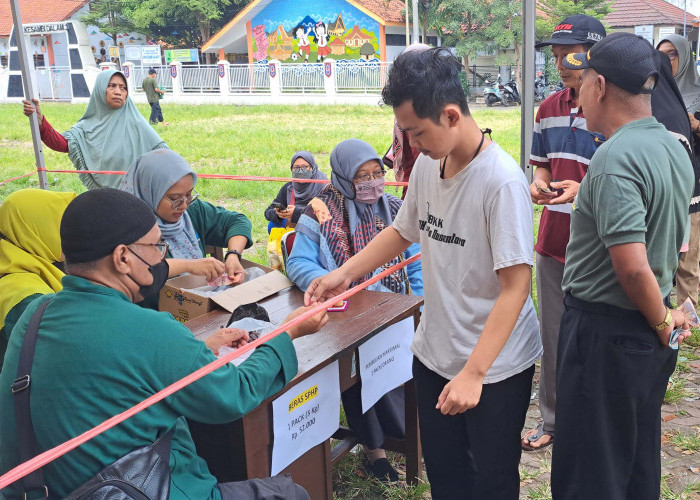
x: 204, y: 31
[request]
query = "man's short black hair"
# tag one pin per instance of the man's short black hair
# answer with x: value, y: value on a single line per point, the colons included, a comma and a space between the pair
x: 429, y: 78
x: 152, y: 71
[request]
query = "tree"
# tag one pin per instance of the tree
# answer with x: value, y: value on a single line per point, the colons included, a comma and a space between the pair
x: 200, y: 13
x: 110, y: 17
x: 479, y: 25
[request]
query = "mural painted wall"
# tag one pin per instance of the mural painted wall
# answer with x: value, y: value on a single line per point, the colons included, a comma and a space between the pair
x: 296, y: 31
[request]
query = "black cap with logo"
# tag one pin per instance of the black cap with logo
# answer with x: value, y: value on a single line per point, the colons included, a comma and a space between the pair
x: 625, y: 59
x: 574, y: 30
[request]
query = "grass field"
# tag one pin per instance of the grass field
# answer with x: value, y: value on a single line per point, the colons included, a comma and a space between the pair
x: 233, y: 140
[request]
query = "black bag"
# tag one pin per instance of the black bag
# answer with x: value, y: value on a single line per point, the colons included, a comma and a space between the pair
x: 142, y: 474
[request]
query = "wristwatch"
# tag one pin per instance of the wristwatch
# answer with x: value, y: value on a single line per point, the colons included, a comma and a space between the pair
x: 668, y: 321
x: 235, y: 252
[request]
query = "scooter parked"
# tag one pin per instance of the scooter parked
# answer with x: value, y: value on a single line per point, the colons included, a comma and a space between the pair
x: 492, y: 93
x: 509, y: 93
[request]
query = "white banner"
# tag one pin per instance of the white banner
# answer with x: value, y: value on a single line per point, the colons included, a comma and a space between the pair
x: 304, y: 416
x: 150, y: 54
x: 385, y: 361
x: 132, y: 52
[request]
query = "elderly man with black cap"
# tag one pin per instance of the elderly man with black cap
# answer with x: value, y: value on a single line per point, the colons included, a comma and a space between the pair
x: 562, y: 147
x: 628, y: 223
x: 98, y: 354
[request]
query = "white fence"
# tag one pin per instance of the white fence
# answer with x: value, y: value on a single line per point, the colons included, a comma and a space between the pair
x: 368, y: 78
x: 302, y: 78
x: 163, y: 77
x: 248, y: 78
x: 202, y: 79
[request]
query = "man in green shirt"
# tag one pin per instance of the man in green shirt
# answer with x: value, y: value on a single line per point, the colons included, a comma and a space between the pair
x: 154, y: 95
x: 628, y: 223
x: 98, y: 354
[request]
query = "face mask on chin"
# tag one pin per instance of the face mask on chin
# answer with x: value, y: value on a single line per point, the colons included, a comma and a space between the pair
x: 370, y: 191
x: 159, y: 272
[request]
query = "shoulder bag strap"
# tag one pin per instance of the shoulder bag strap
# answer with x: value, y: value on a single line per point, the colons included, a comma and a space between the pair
x: 26, y: 440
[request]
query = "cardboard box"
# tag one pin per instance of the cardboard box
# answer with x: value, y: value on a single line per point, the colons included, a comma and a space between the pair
x: 186, y: 305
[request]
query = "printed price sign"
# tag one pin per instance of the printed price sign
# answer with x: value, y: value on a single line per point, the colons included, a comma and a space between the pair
x: 304, y: 416
x: 385, y: 361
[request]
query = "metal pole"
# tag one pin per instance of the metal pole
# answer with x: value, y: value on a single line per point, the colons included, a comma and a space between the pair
x: 415, y: 22
x: 408, y: 15
x: 527, y: 94
x: 685, y: 15
x: 26, y: 67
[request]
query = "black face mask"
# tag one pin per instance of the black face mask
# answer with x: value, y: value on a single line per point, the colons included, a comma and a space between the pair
x: 159, y: 272
x: 61, y: 266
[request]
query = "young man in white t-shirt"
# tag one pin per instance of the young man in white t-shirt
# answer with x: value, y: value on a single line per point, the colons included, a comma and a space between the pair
x: 468, y: 204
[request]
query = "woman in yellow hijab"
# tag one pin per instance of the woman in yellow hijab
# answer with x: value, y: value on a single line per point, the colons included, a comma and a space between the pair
x: 30, y: 243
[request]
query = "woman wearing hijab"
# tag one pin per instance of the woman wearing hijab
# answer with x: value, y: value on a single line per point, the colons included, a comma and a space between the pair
x: 110, y: 135
x: 165, y: 181
x: 30, y: 248
x: 687, y: 81
x: 296, y: 195
x: 337, y: 224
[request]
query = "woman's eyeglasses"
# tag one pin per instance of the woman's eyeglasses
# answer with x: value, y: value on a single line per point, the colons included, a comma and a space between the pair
x: 114, y: 86
x: 368, y: 177
x: 175, y: 204
x: 161, y: 246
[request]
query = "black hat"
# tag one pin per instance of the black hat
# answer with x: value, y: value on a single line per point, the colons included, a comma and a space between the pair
x: 625, y: 59
x: 574, y: 30
x: 97, y: 221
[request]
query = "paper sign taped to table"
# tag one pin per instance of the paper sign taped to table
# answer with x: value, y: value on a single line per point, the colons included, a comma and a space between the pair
x: 253, y: 291
x: 304, y: 416
x: 385, y: 361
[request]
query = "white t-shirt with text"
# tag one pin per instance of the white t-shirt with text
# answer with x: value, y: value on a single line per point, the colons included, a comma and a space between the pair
x: 469, y: 226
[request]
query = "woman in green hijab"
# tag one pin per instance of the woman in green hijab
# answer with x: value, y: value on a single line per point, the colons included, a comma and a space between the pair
x: 110, y: 135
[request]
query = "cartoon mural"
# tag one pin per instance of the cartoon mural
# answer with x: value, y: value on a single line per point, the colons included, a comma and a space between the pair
x: 314, y: 31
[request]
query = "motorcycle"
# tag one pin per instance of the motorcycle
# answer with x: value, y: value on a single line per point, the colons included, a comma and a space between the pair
x: 539, y: 89
x: 509, y: 93
x: 492, y: 93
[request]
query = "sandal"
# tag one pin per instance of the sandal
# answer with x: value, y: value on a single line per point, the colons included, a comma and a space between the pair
x: 381, y: 469
x: 536, y: 437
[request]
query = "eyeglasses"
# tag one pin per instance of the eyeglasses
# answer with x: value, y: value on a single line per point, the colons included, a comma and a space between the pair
x: 672, y: 54
x: 161, y: 246
x: 298, y: 168
x: 367, y: 177
x: 114, y: 86
x: 174, y: 204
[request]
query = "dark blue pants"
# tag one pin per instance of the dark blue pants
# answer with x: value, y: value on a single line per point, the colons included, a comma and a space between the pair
x: 156, y: 113
x: 612, y: 373
x: 475, y: 454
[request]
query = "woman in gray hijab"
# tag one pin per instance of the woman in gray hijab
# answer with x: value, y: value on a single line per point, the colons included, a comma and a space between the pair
x: 165, y: 181
x: 685, y: 74
x: 292, y: 199
x: 337, y: 224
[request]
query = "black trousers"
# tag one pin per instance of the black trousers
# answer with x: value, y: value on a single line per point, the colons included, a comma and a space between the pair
x: 475, y: 454
x: 156, y: 113
x: 612, y: 373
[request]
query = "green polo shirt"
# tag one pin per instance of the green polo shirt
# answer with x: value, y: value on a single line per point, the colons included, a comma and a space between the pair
x: 637, y: 190
x: 149, y: 87
x: 97, y: 354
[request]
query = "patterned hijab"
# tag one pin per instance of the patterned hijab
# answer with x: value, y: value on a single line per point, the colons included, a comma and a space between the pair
x: 29, y: 244
x: 149, y: 178
x: 346, y: 225
x: 109, y: 139
x: 687, y: 77
x: 304, y: 192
